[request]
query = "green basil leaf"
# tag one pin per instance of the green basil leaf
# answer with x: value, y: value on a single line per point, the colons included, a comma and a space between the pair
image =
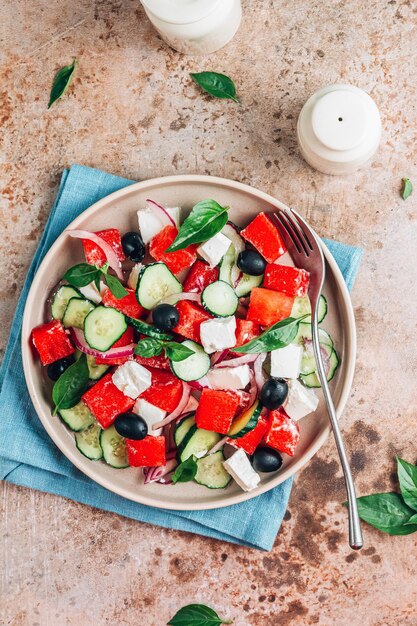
x: 97, y: 281
x: 206, y: 219
x: 278, y: 336
x: 197, y: 615
x: 81, y: 275
x: 217, y: 85
x: 407, y: 475
x: 407, y: 188
x: 186, y: 471
x: 70, y: 386
x: 149, y: 347
x: 387, y: 512
x: 177, y: 351
x: 115, y: 286
x: 61, y: 82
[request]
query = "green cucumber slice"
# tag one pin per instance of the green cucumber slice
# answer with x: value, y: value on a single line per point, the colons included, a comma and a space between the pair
x: 103, y: 326
x: 95, y: 371
x: 61, y: 299
x: 305, y: 332
x: 193, y: 367
x: 78, y: 418
x: 156, y: 282
x: 88, y: 442
x: 247, y: 283
x: 211, y: 473
x: 312, y: 380
x: 197, y: 442
x: 114, y: 448
x: 246, y: 422
x: 302, y: 306
x: 76, y: 312
x: 308, y: 361
x: 146, y: 329
x: 226, y: 264
x: 182, y: 428
x: 220, y: 299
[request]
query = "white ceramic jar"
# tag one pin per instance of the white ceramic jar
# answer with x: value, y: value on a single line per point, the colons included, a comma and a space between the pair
x: 339, y: 129
x: 195, y: 27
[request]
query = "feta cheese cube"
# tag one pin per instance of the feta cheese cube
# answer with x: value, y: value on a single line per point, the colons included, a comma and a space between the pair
x: 214, y: 249
x: 132, y: 379
x: 286, y: 362
x: 151, y: 414
x: 132, y: 281
x: 239, y: 468
x: 91, y: 292
x: 150, y: 222
x: 229, y: 377
x: 300, y: 400
x: 218, y: 333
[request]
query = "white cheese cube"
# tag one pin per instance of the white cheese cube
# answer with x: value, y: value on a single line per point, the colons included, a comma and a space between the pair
x: 300, y: 400
x: 150, y: 222
x: 229, y: 377
x: 239, y: 468
x: 151, y: 414
x: 132, y: 379
x: 286, y: 362
x: 91, y: 292
x: 132, y: 281
x: 218, y: 333
x: 214, y: 249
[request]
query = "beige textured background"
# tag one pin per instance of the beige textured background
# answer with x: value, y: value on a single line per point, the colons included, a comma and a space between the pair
x: 133, y: 111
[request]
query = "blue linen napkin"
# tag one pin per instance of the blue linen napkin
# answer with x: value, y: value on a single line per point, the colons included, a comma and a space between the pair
x: 28, y: 456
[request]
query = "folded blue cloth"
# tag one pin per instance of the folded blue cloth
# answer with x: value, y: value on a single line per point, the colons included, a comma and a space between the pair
x: 28, y: 456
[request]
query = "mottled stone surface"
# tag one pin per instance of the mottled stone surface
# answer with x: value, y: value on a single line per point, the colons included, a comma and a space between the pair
x: 133, y: 111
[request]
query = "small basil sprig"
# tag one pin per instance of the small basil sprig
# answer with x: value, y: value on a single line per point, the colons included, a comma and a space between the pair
x: 186, y: 471
x: 70, y: 386
x: 174, y: 351
x: 278, y: 336
x: 206, y: 219
x: 61, y: 82
x: 197, y: 615
x: 83, y: 274
x: 217, y: 85
x: 407, y: 188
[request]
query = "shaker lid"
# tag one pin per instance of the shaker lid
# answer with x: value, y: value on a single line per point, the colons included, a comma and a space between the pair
x: 181, y: 11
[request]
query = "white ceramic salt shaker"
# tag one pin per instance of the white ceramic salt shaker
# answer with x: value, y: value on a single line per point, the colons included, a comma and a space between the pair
x: 195, y: 27
x: 339, y: 129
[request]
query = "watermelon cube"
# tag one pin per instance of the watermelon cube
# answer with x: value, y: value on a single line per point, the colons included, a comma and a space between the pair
x: 157, y: 362
x: 253, y: 438
x: 246, y: 331
x: 176, y: 261
x: 191, y: 318
x: 124, y: 340
x: 52, y: 342
x: 265, y: 237
x: 199, y: 276
x: 216, y: 410
x: 282, y: 432
x: 165, y: 391
x: 95, y: 255
x: 266, y: 307
x: 148, y: 452
x: 106, y: 401
x: 127, y: 305
x: 289, y: 280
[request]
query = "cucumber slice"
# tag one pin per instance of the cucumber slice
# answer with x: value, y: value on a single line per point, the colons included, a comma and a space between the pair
x: 78, y: 418
x: 114, y: 448
x: 182, y: 428
x: 211, y: 473
x: 312, y: 380
x: 305, y: 332
x: 61, y: 299
x: 247, y: 283
x: 302, y: 306
x: 226, y: 264
x: 246, y: 422
x: 197, y: 442
x: 103, y: 326
x: 156, y: 282
x: 88, y: 442
x: 308, y: 361
x: 231, y: 231
x: 193, y: 367
x: 76, y: 312
x: 95, y: 371
x: 219, y: 298
x: 146, y: 329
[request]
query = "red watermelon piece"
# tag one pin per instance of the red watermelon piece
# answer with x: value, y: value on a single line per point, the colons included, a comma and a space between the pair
x: 176, y: 261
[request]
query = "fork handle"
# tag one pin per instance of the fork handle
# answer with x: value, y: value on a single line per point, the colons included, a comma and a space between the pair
x: 355, y: 532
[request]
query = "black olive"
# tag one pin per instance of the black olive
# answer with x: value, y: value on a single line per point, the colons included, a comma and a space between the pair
x: 58, y: 367
x: 251, y: 262
x: 131, y: 426
x: 165, y: 316
x: 133, y: 246
x: 274, y: 393
x: 266, y: 460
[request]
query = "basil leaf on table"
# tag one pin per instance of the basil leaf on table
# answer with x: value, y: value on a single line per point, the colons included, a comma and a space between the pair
x: 82, y: 274
x: 206, y: 219
x: 177, y: 351
x: 61, y: 82
x: 115, y: 286
x: 407, y: 188
x: 217, y: 85
x: 387, y: 512
x: 197, y: 615
x: 70, y: 386
x: 149, y: 347
x: 186, y: 471
x: 407, y: 476
x: 277, y: 336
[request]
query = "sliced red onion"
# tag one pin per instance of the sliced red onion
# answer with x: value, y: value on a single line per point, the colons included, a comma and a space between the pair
x: 110, y: 254
x: 235, y: 276
x: 219, y: 356
x: 257, y: 368
x: 185, y: 295
x: 114, y: 353
x: 242, y: 310
x: 162, y: 213
x: 186, y: 390
x: 241, y: 360
x: 217, y: 446
x: 155, y: 474
x: 200, y: 384
x: 253, y: 390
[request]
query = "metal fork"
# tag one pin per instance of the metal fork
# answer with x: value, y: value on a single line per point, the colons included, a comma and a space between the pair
x: 305, y: 249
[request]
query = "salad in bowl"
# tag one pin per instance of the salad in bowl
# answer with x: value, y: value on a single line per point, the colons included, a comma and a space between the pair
x: 184, y: 348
